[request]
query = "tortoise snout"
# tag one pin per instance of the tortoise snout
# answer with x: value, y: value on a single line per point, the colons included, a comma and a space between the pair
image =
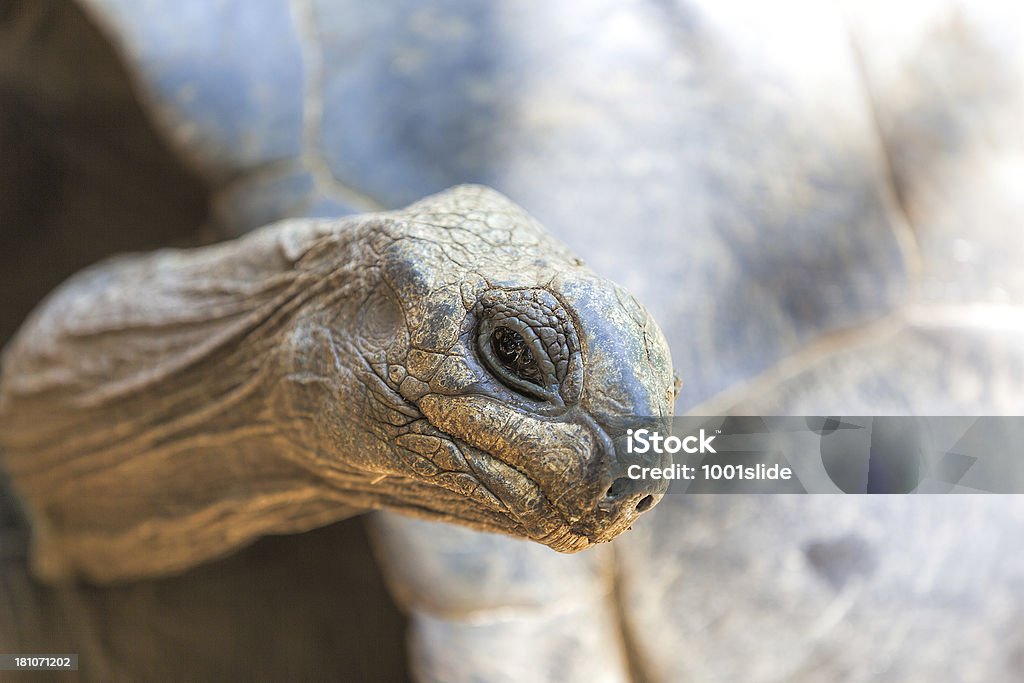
x: 626, y: 495
x: 631, y: 489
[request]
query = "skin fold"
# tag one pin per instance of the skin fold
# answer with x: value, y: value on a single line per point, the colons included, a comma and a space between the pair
x: 450, y: 361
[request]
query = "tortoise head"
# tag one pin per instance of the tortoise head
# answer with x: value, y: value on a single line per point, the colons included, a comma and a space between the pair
x: 449, y: 360
x: 505, y: 375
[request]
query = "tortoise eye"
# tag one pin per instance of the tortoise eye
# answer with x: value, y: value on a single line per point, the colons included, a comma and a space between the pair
x: 512, y: 351
x: 527, y: 342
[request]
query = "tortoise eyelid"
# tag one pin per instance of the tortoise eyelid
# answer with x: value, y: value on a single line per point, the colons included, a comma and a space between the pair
x: 544, y: 386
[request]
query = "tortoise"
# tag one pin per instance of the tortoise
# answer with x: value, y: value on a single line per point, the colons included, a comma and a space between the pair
x: 816, y: 212
x: 449, y: 360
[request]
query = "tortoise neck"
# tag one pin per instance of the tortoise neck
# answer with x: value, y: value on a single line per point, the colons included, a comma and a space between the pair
x: 146, y: 416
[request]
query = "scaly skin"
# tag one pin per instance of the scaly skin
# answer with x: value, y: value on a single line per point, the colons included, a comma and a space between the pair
x: 161, y: 410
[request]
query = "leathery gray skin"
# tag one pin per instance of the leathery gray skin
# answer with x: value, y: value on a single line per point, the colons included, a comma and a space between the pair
x: 314, y: 370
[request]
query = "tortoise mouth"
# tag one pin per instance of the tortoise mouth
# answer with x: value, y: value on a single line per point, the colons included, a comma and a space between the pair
x: 527, y: 506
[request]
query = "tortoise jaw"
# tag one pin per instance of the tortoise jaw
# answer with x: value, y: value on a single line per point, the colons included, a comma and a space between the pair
x: 527, y: 508
x: 531, y: 511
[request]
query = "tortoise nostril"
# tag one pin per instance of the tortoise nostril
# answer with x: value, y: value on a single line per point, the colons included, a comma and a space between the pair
x: 627, y: 497
x: 619, y: 487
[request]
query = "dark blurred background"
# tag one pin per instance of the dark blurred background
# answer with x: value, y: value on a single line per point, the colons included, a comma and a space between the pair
x: 83, y: 176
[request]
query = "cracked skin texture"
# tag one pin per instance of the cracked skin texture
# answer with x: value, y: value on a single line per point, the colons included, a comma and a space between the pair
x: 161, y: 410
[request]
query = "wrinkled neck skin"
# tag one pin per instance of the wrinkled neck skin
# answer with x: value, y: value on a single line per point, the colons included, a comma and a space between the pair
x: 160, y: 411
